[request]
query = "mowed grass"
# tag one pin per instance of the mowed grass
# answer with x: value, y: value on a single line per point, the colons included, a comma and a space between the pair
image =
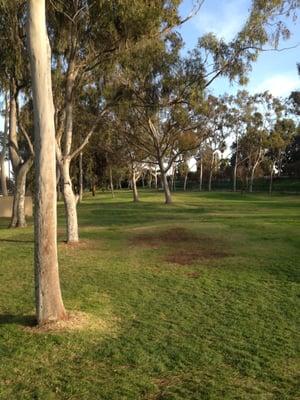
x: 198, y: 300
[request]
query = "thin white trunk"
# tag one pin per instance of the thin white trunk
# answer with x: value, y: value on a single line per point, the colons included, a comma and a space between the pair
x: 134, y: 187
x: 271, y: 178
x: 70, y: 202
x: 49, y: 304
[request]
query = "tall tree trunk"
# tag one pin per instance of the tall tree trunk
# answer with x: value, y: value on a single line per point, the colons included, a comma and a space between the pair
x: 173, y: 180
x: 111, y: 182
x: 271, y: 178
x: 279, y: 166
x: 251, y: 181
x: 58, y: 183
x: 18, y: 219
x: 70, y: 202
x: 134, y: 187
x: 235, y: 163
x: 150, y: 180
x: 143, y: 181
x: 80, y: 177
x: 211, y: 172
x: 20, y: 169
x: 3, y: 152
x: 49, y: 304
x: 234, y: 177
x: 185, y: 182
x: 201, y: 176
x: 13, y: 140
x: 155, y: 180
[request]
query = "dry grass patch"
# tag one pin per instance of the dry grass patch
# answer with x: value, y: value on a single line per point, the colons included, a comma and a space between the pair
x: 76, y: 321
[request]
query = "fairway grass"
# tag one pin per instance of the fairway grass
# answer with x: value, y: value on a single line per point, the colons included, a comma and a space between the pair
x: 197, y: 300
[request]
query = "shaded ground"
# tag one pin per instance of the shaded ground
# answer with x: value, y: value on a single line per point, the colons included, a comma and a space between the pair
x: 222, y: 324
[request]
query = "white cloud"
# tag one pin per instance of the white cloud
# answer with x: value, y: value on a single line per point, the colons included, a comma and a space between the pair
x: 225, y: 20
x: 279, y: 85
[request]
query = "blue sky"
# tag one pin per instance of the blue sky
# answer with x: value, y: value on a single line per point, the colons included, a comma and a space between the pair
x: 273, y: 71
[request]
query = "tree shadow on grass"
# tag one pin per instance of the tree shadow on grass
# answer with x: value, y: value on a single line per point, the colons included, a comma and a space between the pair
x: 23, y: 320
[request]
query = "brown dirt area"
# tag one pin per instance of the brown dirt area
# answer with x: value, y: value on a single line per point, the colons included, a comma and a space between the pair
x: 183, y: 246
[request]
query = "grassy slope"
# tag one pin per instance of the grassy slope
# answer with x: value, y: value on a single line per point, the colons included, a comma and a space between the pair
x: 223, y: 328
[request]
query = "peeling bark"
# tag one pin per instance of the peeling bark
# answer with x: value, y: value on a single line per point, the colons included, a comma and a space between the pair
x: 49, y: 304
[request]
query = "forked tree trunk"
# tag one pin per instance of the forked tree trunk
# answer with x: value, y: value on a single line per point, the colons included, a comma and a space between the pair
x: 165, y: 183
x: 3, y: 152
x: 18, y: 219
x: 70, y: 202
x: 252, y: 178
x: 49, y: 304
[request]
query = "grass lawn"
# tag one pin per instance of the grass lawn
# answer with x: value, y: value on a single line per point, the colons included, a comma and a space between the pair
x: 198, y: 300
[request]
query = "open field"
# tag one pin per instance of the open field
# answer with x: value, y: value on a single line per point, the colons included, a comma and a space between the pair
x: 198, y: 300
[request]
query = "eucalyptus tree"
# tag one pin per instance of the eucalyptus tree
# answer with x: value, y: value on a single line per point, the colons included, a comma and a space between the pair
x: 161, y: 92
x: 87, y: 38
x: 49, y: 304
x: 216, y: 114
x: 15, y: 77
x: 253, y: 146
x: 241, y: 107
x: 279, y: 139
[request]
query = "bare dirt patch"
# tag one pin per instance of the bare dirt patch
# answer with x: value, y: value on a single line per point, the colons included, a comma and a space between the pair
x: 76, y: 320
x: 160, y: 238
x: 184, y: 247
